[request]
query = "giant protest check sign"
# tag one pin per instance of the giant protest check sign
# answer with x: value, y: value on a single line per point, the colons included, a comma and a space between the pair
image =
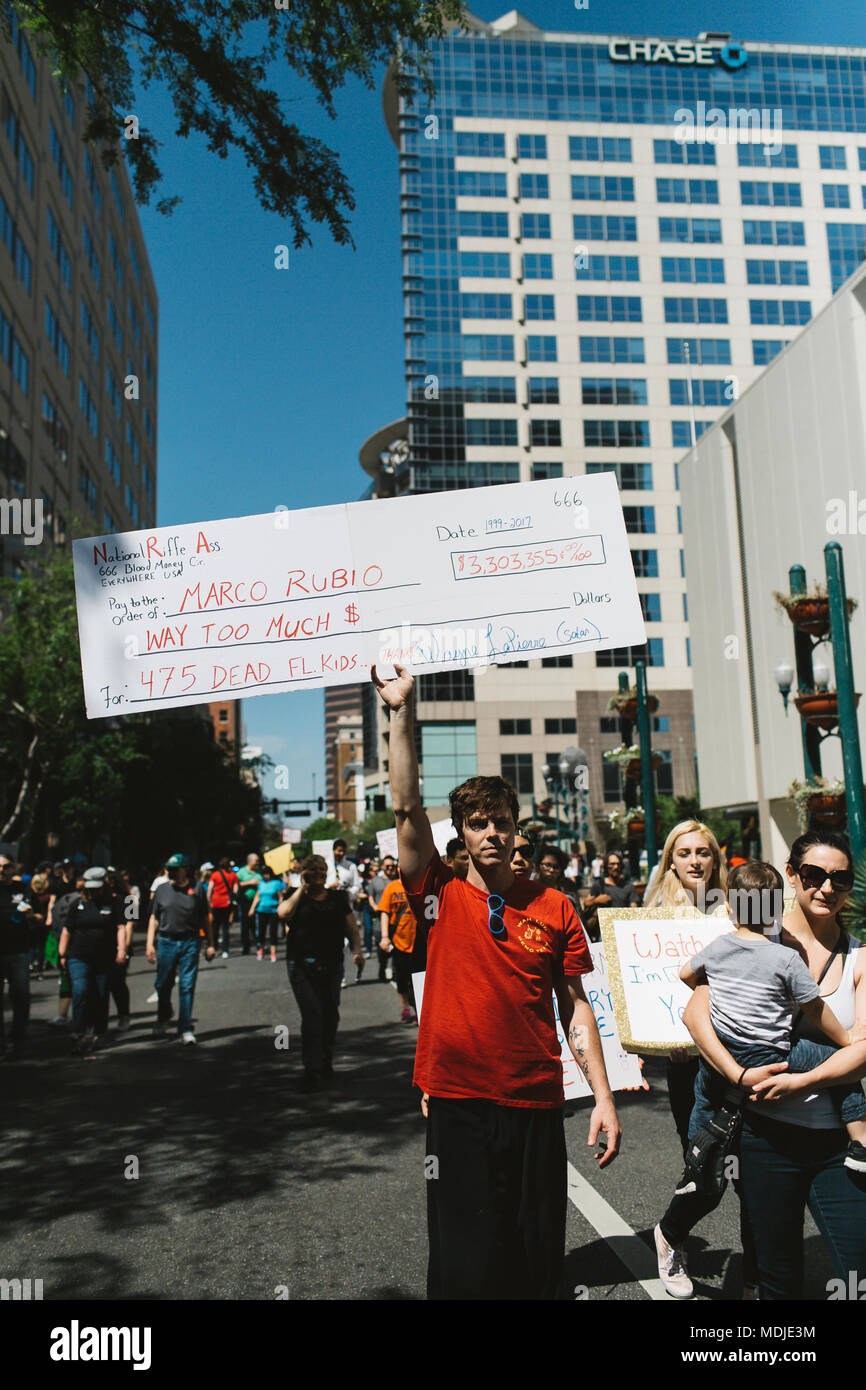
x: 645, y: 950
x: 294, y: 600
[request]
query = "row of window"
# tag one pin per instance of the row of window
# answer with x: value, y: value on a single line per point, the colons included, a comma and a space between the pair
x: 14, y: 355
x: 704, y: 270
x: 510, y: 728
x: 15, y: 246
x: 613, y: 227
x: 616, y: 188
x: 518, y: 769
x: 599, y: 434
x: 618, y: 308
x: 614, y: 149
x: 499, y: 347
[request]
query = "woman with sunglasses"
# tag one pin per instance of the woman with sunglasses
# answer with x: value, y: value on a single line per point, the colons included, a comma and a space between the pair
x: 793, y: 1147
x: 521, y: 856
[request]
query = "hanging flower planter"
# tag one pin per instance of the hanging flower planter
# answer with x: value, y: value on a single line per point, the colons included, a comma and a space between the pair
x: 636, y: 825
x: 829, y: 810
x: 633, y: 770
x: 625, y: 704
x: 821, y: 708
x: 810, y: 612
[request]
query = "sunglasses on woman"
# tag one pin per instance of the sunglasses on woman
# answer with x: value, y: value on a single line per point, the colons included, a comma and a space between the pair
x: 841, y: 880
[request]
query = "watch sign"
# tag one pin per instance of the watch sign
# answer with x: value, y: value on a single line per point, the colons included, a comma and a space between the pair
x: 683, y: 53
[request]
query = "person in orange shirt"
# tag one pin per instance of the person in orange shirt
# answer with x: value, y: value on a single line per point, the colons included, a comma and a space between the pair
x: 405, y: 941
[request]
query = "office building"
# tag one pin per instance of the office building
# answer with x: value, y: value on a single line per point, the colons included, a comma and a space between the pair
x: 78, y: 320
x: 779, y: 476
x: 605, y: 241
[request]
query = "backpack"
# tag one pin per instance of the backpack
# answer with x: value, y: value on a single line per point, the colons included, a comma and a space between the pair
x: 62, y: 909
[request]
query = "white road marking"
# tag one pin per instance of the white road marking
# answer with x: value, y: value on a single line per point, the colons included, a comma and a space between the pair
x: 629, y: 1248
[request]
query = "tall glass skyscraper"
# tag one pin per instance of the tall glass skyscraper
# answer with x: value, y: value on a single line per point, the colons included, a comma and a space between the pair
x: 605, y: 240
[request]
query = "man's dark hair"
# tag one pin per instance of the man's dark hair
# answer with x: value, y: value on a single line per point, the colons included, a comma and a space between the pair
x: 482, y: 795
x: 452, y: 847
x: 551, y: 852
x: 339, y: 844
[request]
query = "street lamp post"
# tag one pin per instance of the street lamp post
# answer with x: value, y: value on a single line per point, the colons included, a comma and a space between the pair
x: 849, y: 734
x: 803, y: 646
x: 646, y: 763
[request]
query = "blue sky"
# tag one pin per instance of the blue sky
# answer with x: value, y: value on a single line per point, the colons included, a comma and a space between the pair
x: 271, y: 380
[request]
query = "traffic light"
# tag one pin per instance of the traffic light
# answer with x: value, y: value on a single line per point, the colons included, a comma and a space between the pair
x: 321, y: 803
x: 275, y: 806
x: 379, y: 803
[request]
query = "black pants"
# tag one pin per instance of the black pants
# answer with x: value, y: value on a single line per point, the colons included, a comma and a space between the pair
x: 496, y: 1200
x: 317, y: 991
x: 119, y: 988
x: 406, y: 964
x: 681, y: 1077
x: 222, y: 922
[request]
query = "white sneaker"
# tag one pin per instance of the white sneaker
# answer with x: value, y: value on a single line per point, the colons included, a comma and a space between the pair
x: 672, y: 1268
x: 188, y: 1038
x: 152, y: 998
x: 225, y: 955
x: 58, y: 1020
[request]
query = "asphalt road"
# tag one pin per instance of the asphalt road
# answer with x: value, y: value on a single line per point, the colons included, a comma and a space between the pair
x: 248, y: 1189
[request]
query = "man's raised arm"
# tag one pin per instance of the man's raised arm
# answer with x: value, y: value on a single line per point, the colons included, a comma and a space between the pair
x: 415, y: 847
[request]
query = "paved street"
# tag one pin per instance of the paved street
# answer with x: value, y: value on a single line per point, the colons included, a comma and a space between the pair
x: 247, y: 1186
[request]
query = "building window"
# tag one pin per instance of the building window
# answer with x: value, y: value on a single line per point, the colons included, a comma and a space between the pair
x: 448, y: 756
x: 690, y: 229
x: 481, y: 183
x: 767, y: 272
x: 645, y: 563
x: 613, y: 308
x: 765, y: 349
x: 535, y: 226
x: 631, y: 477
x: 485, y: 306
x: 641, y: 520
x: 831, y: 156
x: 759, y: 156
x: 113, y: 390
x: 776, y: 195
x: 537, y: 266
x: 544, y: 469
x: 539, y: 307
x: 112, y: 461
x: 846, y: 245
x: 836, y: 195
x: 15, y: 246
x: 612, y: 782
x: 616, y: 434
x: 88, y: 408
x: 651, y: 607
x: 56, y: 338
x: 532, y: 146
x: 683, y: 152
x: 609, y: 724
x: 695, y: 310
x: 446, y: 685
x: 596, y: 226
x: 132, y: 505
x: 133, y: 445
x: 704, y: 391
x: 687, y: 191
x: 612, y: 350
x: 608, y: 268
x: 87, y: 488
x: 774, y: 233
x: 488, y: 347
x: 614, y: 391
x: 20, y: 148
x: 516, y: 768
x: 705, y: 351
x: 778, y: 311
x: 88, y: 329
x: 693, y: 270
x: 64, y: 173
x: 479, y: 144
x: 664, y: 773
x: 509, y: 728
x: 681, y: 432
x: 90, y: 255
x: 653, y: 651
x: 558, y: 660
x: 499, y: 389
x: 491, y: 224
x: 560, y: 726
x: 534, y: 186
x: 592, y: 188
x: 545, y: 434
x: 540, y: 348
x: 92, y: 182
x: 599, y: 149
x: 495, y: 433
x: 543, y: 390
x: 482, y: 265
x: 224, y: 716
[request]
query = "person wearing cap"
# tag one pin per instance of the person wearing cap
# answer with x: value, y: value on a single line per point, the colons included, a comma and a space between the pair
x: 92, y: 939
x: 179, y: 909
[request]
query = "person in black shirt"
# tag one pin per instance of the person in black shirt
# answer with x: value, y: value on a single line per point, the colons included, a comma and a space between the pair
x: 178, y: 910
x: 93, y: 937
x: 318, y: 921
x: 17, y: 938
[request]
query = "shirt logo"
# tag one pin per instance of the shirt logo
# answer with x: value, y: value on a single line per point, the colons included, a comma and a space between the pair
x: 534, y: 936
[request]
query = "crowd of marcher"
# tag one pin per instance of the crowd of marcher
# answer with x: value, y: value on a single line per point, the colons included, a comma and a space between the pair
x: 777, y: 1013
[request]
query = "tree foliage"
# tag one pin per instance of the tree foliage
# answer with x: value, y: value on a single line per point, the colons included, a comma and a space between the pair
x: 215, y: 57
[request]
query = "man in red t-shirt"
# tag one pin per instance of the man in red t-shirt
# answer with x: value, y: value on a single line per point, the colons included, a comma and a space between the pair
x: 488, y: 1055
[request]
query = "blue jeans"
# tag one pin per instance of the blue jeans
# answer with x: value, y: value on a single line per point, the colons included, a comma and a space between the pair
x: 89, y: 996
x: 16, y: 969
x: 784, y: 1169
x: 710, y: 1087
x: 180, y: 956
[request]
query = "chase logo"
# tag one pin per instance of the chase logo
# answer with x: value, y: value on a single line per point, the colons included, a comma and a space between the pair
x: 733, y: 56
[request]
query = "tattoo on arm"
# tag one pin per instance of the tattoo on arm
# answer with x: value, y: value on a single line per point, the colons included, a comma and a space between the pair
x: 577, y: 1039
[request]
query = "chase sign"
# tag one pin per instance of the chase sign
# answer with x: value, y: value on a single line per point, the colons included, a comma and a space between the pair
x: 683, y: 53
